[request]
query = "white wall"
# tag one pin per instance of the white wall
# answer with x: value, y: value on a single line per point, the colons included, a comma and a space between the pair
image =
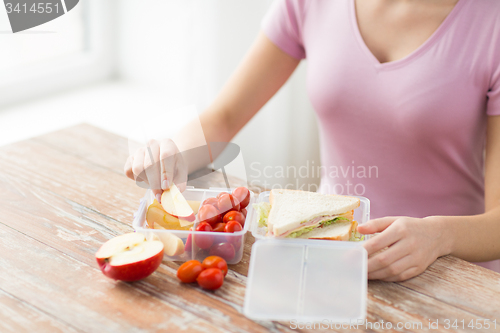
x: 184, y: 50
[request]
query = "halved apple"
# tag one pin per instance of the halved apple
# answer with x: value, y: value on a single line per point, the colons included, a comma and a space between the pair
x: 174, y: 203
x: 173, y: 245
x: 129, y: 257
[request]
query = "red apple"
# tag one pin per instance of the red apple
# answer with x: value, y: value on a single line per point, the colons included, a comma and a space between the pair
x: 174, y: 203
x: 129, y: 257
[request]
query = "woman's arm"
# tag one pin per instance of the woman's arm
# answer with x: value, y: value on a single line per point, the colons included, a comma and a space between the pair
x: 476, y: 238
x: 260, y: 75
x: 413, y: 244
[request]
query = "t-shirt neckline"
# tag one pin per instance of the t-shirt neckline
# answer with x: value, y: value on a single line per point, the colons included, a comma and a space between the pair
x: 415, y: 53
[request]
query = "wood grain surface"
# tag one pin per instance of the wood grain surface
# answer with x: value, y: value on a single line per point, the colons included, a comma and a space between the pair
x: 62, y: 195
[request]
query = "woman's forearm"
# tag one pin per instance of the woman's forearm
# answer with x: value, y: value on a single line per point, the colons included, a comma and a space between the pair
x: 261, y: 74
x: 472, y: 238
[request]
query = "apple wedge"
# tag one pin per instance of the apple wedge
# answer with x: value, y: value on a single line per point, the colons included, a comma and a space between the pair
x: 129, y: 257
x: 174, y: 203
x: 195, y: 205
x: 173, y: 245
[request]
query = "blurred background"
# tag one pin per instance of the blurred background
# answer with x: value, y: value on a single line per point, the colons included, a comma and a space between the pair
x: 111, y: 62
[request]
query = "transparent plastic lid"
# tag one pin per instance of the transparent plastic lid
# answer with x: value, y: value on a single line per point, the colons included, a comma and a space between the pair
x: 306, y: 281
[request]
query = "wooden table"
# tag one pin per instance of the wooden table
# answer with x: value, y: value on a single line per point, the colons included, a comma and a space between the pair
x: 63, y: 194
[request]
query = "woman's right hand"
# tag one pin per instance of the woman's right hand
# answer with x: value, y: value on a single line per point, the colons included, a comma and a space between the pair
x: 159, y: 164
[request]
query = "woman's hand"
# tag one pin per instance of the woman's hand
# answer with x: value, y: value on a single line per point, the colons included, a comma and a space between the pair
x: 158, y: 164
x: 413, y: 244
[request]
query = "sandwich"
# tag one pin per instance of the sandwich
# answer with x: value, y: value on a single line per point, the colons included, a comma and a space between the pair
x: 308, y: 215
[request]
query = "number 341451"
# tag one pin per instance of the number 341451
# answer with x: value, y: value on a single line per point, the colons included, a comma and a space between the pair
x: 37, y: 8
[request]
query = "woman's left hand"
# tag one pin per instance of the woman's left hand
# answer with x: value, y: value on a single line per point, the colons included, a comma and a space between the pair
x: 413, y: 244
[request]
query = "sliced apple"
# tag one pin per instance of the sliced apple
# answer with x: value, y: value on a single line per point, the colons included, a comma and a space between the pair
x: 174, y: 203
x: 154, y: 215
x: 156, y: 204
x: 195, y: 205
x: 157, y: 218
x: 130, y: 257
x: 173, y: 245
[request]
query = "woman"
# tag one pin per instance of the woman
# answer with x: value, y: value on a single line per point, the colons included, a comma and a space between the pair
x: 413, y: 86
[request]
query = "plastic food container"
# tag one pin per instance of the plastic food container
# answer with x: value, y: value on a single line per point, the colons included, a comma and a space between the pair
x: 208, y: 240
x: 306, y: 281
x: 361, y: 215
x: 299, y: 280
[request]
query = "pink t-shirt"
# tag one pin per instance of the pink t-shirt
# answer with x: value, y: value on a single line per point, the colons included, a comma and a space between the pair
x: 409, y: 134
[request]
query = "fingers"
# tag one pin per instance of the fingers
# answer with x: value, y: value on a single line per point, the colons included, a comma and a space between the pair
x: 384, y: 259
x: 157, y: 194
x: 128, y: 167
x: 181, y: 173
x: 152, y: 164
x: 407, y: 274
x: 376, y: 225
x: 159, y: 164
x: 385, y: 239
x: 168, y: 152
x: 138, y: 165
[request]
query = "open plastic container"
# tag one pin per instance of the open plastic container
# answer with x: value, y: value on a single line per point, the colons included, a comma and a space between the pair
x: 307, y: 280
x: 213, y: 239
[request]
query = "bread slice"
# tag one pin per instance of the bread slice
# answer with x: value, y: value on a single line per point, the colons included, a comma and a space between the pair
x: 337, y: 231
x: 290, y: 208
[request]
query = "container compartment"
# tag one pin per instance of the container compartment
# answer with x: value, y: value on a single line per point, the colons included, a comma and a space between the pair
x: 361, y: 215
x: 270, y: 294
x: 200, y: 244
x: 307, y: 281
x: 341, y: 280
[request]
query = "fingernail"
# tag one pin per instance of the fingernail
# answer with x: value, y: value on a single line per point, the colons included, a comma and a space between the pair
x: 164, y: 184
x: 158, y: 197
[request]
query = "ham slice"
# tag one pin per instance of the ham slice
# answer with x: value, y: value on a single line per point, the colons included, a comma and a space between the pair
x: 314, y: 222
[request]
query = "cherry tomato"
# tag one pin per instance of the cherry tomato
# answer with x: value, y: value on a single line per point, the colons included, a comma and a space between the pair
x: 244, y: 211
x: 209, y: 214
x: 224, y: 250
x: 215, y: 262
x: 204, y: 226
x: 204, y: 241
x: 235, y: 240
x: 242, y: 194
x: 189, y: 271
x: 211, y: 201
x: 233, y: 226
x: 219, y: 227
x: 234, y: 216
x: 220, y: 194
x: 211, y: 278
x: 228, y: 203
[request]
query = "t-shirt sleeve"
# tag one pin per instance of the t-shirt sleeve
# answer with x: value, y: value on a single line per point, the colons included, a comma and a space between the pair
x: 493, y: 106
x: 283, y: 26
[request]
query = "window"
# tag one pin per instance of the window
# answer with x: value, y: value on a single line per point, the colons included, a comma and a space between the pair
x: 71, y: 50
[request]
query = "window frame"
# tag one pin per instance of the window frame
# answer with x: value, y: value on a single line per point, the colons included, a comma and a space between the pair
x: 95, y: 63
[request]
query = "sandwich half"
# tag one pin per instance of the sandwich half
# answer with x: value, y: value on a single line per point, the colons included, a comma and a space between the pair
x: 301, y: 214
